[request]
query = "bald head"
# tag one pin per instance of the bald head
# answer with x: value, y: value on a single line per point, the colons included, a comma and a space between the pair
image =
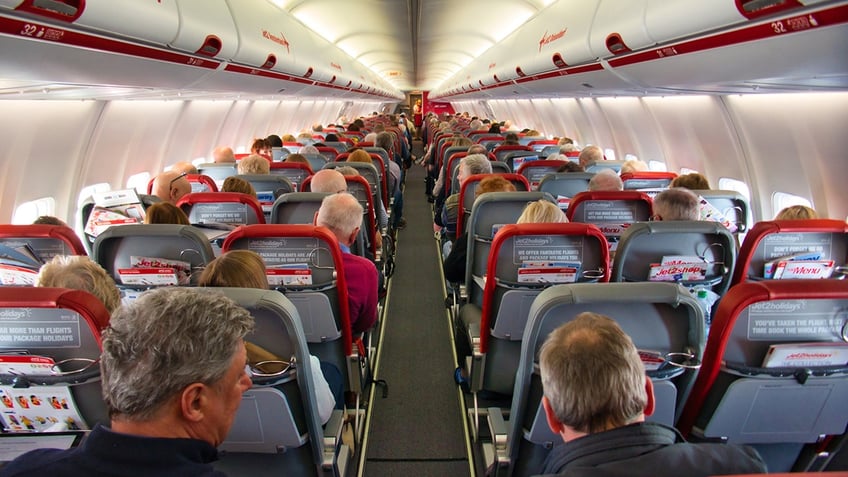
x: 170, y: 186
x: 184, y: 166
x: 328, y: 181
x: 223, y: 154
x: 605, y: 180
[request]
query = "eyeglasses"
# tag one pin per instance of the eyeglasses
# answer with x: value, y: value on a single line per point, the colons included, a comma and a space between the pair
x: 655, y: 218
x: 171, y: 184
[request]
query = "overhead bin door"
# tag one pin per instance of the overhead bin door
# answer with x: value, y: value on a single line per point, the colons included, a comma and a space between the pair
x: 10, y: 4
x: 313, y: 57
x: 668, y: 20
x: 268, y: 37
x: 557, y: 37
x: 619, y: 27
x: 501, y: 66
x: 206, y: 28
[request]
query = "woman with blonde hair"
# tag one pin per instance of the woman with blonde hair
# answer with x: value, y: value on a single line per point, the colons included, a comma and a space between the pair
x: 79, y: 272
x: 797, y: 212
x: 542, y: 211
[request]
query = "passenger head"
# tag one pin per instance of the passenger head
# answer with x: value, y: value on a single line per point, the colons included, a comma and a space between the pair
x: 633, y: 165
x: 317, y: 127
x: 477, y: 149
x: 541, y: 211
x: 605, y: 180
x: 384, y: 140
x: 493, y: 183
x: 360, y: 155
x: 223, y: 154
x: 170, y: 186
x: 274, y: 141
x: 566, y: 148
x: 511, y: 139
x: 49, y: 220
x: 237, y: 184
x: 693, y: 181
x: 288, y: 138
x: 676, y: 204
x: 329, y: 181
x: 564, y: 140
x: 331, y: 138
x: 254, y: 164
x: 80, y: 273
x: 236, y: 268
x: 347, y: 171
x: 342, y: 214
x: 592, y: 377
x: 473, y: 164
x: 308, y: 149
x: 796, y: 212
x: 495, y: 128
x: 260, y: 146
x: 175, y: 359
x: 165, y: 213
x: 590, y: 154
x: 296, y: 158
x: 184, y: 166
x: 571, y: 167
x: 462, y: 141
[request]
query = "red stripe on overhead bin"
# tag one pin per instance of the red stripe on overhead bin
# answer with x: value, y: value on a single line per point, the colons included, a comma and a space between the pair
x: 777, y: 27
x: 51, y: 34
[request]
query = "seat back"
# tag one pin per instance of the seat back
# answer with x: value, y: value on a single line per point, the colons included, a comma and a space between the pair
x: 316, y: 160
x: 218, y: 171
x: 647, y: 180
x: 644, y: 245
x: 535, y: 171
x: 295, y: 172
x: 43, y: 241
x: 660, y: 317
x: 604, y: 164
x: 565, y: 185
x: 504, y: 149
x: 297, y: 208
x: 738, y: 397
x: 59, y: 324
x: 329, y: 153
x: 468, y: 193
x: 514, y: 159
x: 610, y: 211
x: 124, y: 252
x: 540, y: 144
x: 268, y: 187
x: 232, y: 208
x: 733, y: 205
x: 279, y: 154
x: 768, y: 242
x: 367, y: 171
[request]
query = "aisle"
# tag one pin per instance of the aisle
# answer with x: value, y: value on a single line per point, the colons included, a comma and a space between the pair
x: 417, y: 430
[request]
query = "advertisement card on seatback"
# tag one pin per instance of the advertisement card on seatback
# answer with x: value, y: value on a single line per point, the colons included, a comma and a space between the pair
x: 794, y: 355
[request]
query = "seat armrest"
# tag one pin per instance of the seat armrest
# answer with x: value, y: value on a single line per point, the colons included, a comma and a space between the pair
x: 332, y: 438
x: 498, y: 427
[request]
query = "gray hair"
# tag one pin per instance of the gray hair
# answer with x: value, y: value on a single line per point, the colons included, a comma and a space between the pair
x: 340, y: 213
x: 477, y: 164
x: 677, y: 203
x: 80, y: 273
x: 384, y: 140
x: 165, y: 341
x: 605, y: 180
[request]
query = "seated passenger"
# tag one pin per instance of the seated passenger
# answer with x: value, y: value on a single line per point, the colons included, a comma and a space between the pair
x: 444, y: 175
x: 223, y: 155
x: 184, y: 166
x: 49, y: 220
x: 342, y: 215
x: 165, y: 213
x: 360, y: 155
x: 79, y: 272
x: 605, y: 180
x: 170, y: 409
x: 676, y: 204
x: 796, y: 212
x: 693, y: 181
x: 274, y: 141
x: 297, y: 158
x: 254, y: 164
x: 246, y: 269
x: 596, y: 397
x: 633, y: 165
x: 395, y: 182
x: 261, y: 147
x: 469, y: 165
x: 328, y: 181
x: 571, y: 167
x: 237, y: 184
x: 170, y: 186
x: 590, y: 154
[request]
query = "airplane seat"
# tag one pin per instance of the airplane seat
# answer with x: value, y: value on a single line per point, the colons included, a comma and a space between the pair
x: 502, y: 150
x: 546, y: 151
x: 229, y: 208
x: 218, y: 171
x: 316, y: 161
x: 540, y: 144
x: 660, y: 318
x: 64, y: 326
x: 467, y: 195
x: 140, y: 256
x: 304, y: 263
x: 41, y: 241
x: 770, y: 241
x: 772, y: 374
x: 708, y: 245
x: 535, y: 171
x: 268, y: 187
x: 371, y: 174
x: 523, y: 260
x: 514, y: 158
x: 647, y: 180
x: 734, y: 208
x: 491, y: 142
x: 88, y: 206
x: 528, y: 140
x: 329, y: 153
x: 339, y: 146
x: 565, y: 185
x: 610, y: 211
x: 295, y: 172
x: 277, y: 425
x: 199, y: 183
x: 605, y: 164
x: 296, y: 208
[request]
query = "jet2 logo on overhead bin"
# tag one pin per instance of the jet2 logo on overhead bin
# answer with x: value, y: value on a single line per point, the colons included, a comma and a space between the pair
x: 803, y: 22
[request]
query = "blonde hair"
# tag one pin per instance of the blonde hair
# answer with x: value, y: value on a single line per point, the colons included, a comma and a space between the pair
x: 494, y: 183
x: 254, y: 164
x: 541, y: 211
x: 80, y: 273
x: 236, y: 268
x: 633, y: 165
x: 360, y: 155
x: 165, y: 213
x: 237, y: 184
x: 797, y: 212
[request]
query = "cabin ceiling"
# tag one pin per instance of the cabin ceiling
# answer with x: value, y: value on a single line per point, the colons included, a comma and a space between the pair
x: 413, y: 44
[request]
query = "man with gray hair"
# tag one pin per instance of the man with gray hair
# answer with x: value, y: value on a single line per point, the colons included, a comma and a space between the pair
x: 173, y: 373
x: 605, y: 180
x: 329, y: 181
x: 589, y: 155
x: 342, y: 214
x: 469, y: 165
x: 677, y: 203
x: 596, y: 396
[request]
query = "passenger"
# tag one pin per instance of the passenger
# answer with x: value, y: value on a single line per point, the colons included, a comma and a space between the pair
x: 170, y: 186
x: 173, y: 374
x: 237, y: 184
x: 564, y: 140
x: 223, y: 154
x: 605, y: 180
x: 796, y: 212
x: 385, y: 141
x: 596, y: 397
x: 455, y: 262
x: 49, y: 220
x: 468, y: 166
x: 246, y: 269
x: 297, y: 158
x: 444, y: 174
x: 165, y: 213
x: 633, y: 165
x: 590, y: 154
x: 274, y: 141
x: 80, y: 273
x: 542, y: 212
x: 260, y: 147
x: 329, y: 181
x: 342, y: 215
x: 254, y: 164
x: 693, y: 181
x: 288, y: 138
x: 572, y: 167
x: 317, y: 128
x: 495, y: 128
x: 511, y: 139
x: 304, y: 138
x: 347, y: 171
x: 331, y: 138
x: 566, y: 148
x: 676, y: 204
x: 308, y: 149
x: 360, y: 155
x: 184, y: 166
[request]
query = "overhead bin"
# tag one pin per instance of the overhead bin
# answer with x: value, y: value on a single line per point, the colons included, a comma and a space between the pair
x: 666, y: 21
x: 206, y: 29
x: 619, y: 28
x: 267, y: 37
x: 555, y: 38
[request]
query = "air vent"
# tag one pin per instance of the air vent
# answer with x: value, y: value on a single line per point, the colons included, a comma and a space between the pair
x: 496, y: 78
x: 558, y: 61
x: 587, y: 85
x: 333, y: 79
x: 481, y: 83
x: 269, y: 62
x: 67, y: 10
x: 519, y: 72
x: 308, y: 73
x: 211, y: 46
x: 757, y: 8
x: 616, y: 45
